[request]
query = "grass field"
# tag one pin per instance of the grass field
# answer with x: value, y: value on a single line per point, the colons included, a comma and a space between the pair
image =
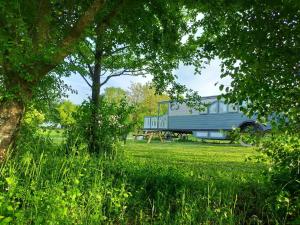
x: 220, y: 184
x: 156, y: 183
x: 226, y: 160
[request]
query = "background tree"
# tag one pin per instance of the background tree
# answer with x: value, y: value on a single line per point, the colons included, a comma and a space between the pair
x: 145, y: 100
x: 114, y: 94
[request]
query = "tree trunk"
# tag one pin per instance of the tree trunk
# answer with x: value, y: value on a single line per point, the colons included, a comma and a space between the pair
x: 11, y: 114
x: 94, y: 145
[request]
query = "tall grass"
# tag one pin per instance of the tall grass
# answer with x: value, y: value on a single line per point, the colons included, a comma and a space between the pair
x: 50, y: 187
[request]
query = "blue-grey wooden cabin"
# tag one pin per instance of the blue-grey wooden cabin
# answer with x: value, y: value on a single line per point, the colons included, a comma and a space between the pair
x: 208, y: 124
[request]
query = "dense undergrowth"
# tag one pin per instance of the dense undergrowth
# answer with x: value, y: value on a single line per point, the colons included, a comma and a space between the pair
x: 44, y: 185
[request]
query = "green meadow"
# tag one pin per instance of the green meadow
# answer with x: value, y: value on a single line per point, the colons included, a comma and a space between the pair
x: 156, y: 183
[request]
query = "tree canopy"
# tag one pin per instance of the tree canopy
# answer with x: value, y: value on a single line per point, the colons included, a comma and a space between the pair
x: 145, y: 100
x: 259, y: 45
x: 114, y: 94
x: 258, y: 42
x: 36, y: 37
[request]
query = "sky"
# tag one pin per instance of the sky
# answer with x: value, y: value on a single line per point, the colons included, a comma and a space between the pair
x: 204, y: 83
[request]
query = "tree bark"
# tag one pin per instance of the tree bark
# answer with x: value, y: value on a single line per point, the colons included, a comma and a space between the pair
x: 94, y: 145
x: 11, y: 114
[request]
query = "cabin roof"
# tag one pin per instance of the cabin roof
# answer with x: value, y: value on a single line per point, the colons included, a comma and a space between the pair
x: 203, y: 97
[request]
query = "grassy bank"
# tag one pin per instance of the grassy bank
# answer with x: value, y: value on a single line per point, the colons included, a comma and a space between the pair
x: 157, y: 183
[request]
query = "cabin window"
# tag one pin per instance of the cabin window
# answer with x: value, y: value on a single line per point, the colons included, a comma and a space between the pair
x: 213, y: 108
x: 232, y: 108
x: 222, y: 107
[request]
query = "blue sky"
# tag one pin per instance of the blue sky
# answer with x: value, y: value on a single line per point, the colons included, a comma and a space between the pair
x: 204, y: 83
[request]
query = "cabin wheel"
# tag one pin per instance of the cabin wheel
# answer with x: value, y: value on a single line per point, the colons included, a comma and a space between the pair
x: 250, y: 134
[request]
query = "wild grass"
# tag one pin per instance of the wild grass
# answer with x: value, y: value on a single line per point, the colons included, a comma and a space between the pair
x: 222, y: 185
x: 157, y: 183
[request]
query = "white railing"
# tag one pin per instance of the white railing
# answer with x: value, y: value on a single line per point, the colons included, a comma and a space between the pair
x: 155, y: 122
x: 163, y: 122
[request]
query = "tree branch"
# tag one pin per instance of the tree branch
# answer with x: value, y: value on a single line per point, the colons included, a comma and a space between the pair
x: 116, y: 51
x: 88, y: 83
x: 75, y: 33
x: 42, y: 24
x: 88, y: 65
x: 67, y: 43
x: 88, y: 46
x: 110, y: 76
x: 105, y: 71
x: 123, y: 73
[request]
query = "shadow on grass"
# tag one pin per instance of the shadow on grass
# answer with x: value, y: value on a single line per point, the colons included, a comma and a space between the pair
x: 180, y: 197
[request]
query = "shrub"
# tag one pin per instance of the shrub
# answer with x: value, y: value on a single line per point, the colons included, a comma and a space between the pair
x: 113, y: 126
x: 31, y: 137
x: 283, y: 152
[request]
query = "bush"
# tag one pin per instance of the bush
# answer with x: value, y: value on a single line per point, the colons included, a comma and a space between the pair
x: 113, y: 126
x: 283, y: 152
x: 31, y: 137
